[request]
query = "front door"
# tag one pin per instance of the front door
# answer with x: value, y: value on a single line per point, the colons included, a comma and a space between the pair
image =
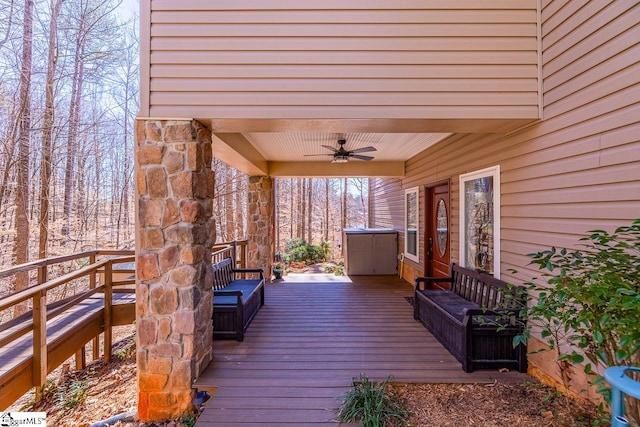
x: 437, y: 228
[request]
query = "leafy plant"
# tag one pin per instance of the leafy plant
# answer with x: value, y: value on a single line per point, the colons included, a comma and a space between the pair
x: 589, y: 307
x: 371, y: 404
x: 294, y: 243
x: 73, y: 395
x: 297, y: 250
x: 189, y: 419
x: 126, y: 351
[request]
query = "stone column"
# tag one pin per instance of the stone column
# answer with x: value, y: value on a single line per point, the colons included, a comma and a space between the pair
x: 260, y: 223
x: 175, y: 233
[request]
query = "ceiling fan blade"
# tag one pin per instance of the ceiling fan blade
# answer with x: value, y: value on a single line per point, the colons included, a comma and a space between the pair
x: 359, y: 157
x: 312, y: 155
x: 364, y: 149
x: 328, y: 147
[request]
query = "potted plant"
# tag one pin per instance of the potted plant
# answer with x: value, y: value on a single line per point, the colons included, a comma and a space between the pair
x: 278, y: 268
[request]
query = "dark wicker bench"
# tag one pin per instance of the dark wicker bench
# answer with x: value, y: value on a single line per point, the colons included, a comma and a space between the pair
x: 475, y: 320
x: 235, y: 300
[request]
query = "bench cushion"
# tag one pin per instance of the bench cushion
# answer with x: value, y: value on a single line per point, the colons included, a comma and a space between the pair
x: 450, y: 302
x: 246, y: 286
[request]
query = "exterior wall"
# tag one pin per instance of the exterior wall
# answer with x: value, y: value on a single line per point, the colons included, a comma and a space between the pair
x: 579, y: 168
x: 175, y: 232
x: 362, y: 59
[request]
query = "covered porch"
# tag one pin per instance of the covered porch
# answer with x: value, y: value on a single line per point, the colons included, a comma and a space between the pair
x: 314, y: 335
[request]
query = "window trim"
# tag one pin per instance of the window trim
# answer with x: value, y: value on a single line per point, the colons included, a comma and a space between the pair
x: 407, y: 254
x: 494, y: 172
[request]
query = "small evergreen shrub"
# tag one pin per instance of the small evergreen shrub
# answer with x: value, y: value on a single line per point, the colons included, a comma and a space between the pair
x: 371, y: 404
x: 588, y: 307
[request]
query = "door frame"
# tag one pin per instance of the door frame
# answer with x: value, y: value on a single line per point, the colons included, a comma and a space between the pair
x: 425, y: 220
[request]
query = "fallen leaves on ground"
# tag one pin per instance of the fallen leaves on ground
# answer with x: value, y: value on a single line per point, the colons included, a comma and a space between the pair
x: 493, y: 405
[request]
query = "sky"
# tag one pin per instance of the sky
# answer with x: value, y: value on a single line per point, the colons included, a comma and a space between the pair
x: 128, y: 8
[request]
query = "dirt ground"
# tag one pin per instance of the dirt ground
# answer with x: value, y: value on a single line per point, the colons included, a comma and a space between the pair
x: 77, y: 399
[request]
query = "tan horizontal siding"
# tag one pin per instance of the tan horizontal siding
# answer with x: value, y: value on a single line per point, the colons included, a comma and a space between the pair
x: 370, y: 58
x: 357, y: 59
x: 579, y: 168
x: 252, y: 5
x: 310, y: 44
x: 320, y: 71
x: 362, y: 97
x: 366, y: 16
x: 412, y: 86
x: 388, y: 207
x: 405, y: 31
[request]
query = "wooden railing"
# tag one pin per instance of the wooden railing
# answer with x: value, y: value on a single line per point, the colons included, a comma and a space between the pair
x: 236, y: 250
x: 37, y: 296
x: 98, y: 272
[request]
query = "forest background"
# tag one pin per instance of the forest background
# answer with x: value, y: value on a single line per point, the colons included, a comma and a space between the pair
x: 69, y: 90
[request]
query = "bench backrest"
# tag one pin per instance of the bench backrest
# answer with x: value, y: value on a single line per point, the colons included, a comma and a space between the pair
x: 483, y: 289
x: 222, y: 273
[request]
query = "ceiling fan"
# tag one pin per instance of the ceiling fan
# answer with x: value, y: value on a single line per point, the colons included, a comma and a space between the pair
x: 342, y: 155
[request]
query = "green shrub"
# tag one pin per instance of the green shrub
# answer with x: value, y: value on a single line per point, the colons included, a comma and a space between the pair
x: 294, y: 243
x: 588, y: 308
x: 371, y: 404
x: 297, y: 250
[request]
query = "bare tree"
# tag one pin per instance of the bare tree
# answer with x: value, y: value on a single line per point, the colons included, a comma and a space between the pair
x: 47, y: 128
x: 24, y: 134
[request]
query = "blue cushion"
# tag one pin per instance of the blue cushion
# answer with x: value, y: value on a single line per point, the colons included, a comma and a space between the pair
x: 246, y: 286
x: 450, y: 302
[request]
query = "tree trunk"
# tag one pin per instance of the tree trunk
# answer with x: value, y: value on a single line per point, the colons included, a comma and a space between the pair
x: 24, y: 135
x: 343, y: 224
x: 291, y: 209
x: 47, y: 129
x: 309, y: 211
x: 74, y: 118
x: 326, y: 209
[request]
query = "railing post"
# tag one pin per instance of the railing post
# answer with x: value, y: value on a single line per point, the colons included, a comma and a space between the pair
x: 39, y: 342
x: 92, y: 285
x: 42, y: 274
x: 234, y: 246
x: 243, y: 255
x: 108, y: 295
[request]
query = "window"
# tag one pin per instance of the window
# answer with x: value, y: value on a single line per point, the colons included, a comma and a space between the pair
x: 480, y: 220
x: 411, y: 228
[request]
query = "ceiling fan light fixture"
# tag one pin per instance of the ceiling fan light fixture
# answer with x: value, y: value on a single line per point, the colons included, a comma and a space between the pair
x: 340, y: 159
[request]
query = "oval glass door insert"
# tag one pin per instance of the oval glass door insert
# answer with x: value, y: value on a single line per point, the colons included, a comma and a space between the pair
x: 442, y: 227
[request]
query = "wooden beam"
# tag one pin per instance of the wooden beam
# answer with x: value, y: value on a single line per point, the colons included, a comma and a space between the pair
x: 236, y: 150
x: 351, y: 169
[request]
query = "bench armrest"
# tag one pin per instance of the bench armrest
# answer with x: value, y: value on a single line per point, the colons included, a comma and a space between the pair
x: 427, y: 281
x: 250, y: 270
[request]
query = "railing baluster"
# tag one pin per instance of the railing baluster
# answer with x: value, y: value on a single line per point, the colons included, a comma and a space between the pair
x: 39, y: 342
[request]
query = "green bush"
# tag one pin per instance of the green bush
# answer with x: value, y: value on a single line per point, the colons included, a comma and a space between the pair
x: 371, y: 404
x: 293, y: 244
x: 297, y: 250
x: 588, y: 308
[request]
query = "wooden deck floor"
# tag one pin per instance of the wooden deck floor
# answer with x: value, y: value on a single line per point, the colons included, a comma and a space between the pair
x: 314, y: 335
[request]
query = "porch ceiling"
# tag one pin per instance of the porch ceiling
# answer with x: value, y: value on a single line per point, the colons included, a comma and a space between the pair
x: 294, y: 148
